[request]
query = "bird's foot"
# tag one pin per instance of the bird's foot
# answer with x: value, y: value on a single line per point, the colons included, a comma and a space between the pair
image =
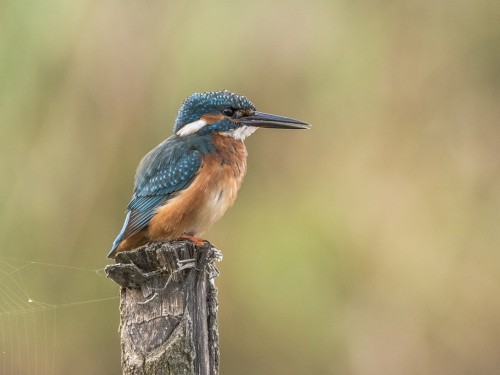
x: 196, y: 240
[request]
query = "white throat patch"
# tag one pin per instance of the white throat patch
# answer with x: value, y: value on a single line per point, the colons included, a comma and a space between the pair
x: 191, y: 128
x: 240, y: 133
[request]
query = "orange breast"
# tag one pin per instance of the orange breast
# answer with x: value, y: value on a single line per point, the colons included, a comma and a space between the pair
x: 213, y: 191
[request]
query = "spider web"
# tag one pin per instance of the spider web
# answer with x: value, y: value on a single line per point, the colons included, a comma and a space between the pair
x: 28, y: 327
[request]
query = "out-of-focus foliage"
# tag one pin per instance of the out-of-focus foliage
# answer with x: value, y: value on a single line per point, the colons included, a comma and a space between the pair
x: 367, y: 245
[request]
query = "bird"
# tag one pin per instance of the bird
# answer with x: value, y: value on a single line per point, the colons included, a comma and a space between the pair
x: 189, y: 180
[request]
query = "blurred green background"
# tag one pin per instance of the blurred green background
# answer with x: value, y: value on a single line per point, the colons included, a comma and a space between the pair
x: 367, y: 245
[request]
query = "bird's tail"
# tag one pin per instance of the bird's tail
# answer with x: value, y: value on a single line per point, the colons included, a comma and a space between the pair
x: 119, y: 238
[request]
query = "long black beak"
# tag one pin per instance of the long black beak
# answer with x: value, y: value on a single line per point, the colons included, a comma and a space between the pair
x: 265, y: 120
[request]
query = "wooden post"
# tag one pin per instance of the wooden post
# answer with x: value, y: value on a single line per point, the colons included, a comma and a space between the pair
x: 168, y: 309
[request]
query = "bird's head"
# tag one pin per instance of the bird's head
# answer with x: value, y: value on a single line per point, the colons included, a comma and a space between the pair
x: 228, y: 114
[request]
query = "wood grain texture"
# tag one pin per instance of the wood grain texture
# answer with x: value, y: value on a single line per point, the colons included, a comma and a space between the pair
x: 168, y: 309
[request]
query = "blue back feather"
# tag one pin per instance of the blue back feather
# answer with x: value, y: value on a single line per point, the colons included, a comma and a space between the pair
x: 167, y: 169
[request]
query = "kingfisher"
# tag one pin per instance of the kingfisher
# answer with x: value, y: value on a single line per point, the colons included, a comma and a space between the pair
x: 188, y: 181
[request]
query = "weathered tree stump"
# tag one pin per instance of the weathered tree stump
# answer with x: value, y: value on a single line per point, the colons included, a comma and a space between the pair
x: 168, y: 309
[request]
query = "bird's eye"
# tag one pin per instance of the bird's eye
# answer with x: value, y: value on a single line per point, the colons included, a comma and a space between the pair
x: 229, y: 112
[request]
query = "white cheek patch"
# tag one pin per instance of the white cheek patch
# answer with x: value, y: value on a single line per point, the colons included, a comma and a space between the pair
x: 191, y: 128
x: 241, y: 133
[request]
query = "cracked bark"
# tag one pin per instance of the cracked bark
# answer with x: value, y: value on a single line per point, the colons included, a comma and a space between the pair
x: 168, y: 309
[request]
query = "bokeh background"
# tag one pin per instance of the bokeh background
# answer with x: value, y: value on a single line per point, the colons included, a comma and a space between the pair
x: 367, y: 245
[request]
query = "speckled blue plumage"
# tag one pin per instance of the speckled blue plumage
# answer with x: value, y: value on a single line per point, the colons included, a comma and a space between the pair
x: 168, y: 168
x: 199, y: 104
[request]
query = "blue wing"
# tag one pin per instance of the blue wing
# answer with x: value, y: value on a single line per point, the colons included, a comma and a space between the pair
x: 167, y: 169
